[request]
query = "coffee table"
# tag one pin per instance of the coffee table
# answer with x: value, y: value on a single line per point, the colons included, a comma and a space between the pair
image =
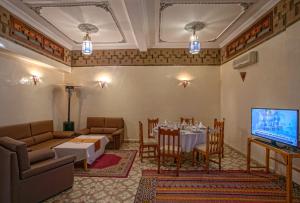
x: 84, y: 151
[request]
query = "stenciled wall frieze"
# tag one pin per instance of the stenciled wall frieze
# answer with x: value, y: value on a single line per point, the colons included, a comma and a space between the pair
x: 153, y: 57
x: 18, y: 31
x: 282, y: 15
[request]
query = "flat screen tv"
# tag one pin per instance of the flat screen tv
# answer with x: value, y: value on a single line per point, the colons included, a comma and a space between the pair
x: 276, y: 125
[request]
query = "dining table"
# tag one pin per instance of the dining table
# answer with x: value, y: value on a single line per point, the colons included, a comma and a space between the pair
x: 190, y: 135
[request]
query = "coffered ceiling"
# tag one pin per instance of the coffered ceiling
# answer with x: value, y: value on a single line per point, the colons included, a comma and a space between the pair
x: 139, y: 24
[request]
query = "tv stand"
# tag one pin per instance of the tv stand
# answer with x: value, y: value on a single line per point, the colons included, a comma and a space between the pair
x: 288, y: 156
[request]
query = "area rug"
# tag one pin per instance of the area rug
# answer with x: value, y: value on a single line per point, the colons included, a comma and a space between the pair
x: 217, y: 186
x: 113, y: 163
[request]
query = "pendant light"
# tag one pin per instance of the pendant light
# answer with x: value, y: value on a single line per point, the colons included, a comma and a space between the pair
x: 194, y: 44
x: 87, y: 45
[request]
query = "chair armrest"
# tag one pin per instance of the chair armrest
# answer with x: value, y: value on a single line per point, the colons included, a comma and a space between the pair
x: 118, y: 132
x: 40, y: 155
x: 84, y: 131
x: 45, y: 166
x: 63, y: 134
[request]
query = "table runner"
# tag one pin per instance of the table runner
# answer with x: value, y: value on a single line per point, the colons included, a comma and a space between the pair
x: 97, y: 142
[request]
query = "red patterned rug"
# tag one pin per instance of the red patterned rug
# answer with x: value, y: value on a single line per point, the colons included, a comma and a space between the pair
x: 216, y: 186
x: 113, y: 163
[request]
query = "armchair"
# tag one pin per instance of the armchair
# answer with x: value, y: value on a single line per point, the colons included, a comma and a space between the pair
x: 32, y: 176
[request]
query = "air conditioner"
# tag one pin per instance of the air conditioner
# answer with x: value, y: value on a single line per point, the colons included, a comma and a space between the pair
x: 246, y: 60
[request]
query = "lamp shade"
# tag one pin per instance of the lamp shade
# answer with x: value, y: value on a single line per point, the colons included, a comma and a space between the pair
x: 194, y: 44
x: 87, y: 46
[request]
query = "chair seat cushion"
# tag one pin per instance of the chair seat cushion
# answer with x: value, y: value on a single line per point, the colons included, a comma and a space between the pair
x: 201, y: 147
x: 176, y: 149
x: 150, y: 141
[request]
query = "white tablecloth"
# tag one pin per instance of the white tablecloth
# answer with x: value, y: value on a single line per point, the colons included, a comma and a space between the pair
x: 188, y: 139
x: 82, y: 150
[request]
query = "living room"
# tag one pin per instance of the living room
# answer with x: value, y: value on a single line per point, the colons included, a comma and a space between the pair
x: 152, y: 74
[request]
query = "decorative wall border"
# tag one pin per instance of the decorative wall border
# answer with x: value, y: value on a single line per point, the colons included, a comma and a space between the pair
x: 282, y: 15
x: 14, y: 29
x: 153, y: 57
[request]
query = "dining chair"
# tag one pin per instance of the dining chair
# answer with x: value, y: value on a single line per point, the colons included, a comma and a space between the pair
x: 152, y: 123
x: 187, y: 120
x: 220, y: 124
x: 149, y: 144
x: 210, y: 148
x: 169, y: 146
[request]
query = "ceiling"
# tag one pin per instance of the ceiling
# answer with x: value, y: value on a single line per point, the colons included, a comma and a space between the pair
x: 142, y: 24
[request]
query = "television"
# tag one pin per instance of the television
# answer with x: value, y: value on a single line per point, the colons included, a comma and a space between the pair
x: 276, y: 125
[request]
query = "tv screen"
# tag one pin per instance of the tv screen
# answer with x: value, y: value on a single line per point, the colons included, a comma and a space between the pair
x: 280, y: 125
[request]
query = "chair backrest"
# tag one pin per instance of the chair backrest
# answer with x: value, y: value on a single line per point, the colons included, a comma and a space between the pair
x: 152, y: 123
x: 169, y: 141
x: 220, y: 125
x: 213, y: 140
x: 187, y: 120
x: 141, y: 135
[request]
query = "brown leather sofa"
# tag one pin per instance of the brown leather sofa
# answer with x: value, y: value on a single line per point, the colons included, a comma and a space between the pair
x: 36, y: 135
x: 113, y: 128
x: 32, y: 176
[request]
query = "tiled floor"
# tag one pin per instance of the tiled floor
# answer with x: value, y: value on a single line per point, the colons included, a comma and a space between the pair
x: 114, y: 190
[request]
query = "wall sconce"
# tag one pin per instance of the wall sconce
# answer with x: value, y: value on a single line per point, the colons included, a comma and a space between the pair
x: 35, y: 79
x: 184, y: 83
x: 103, y: 84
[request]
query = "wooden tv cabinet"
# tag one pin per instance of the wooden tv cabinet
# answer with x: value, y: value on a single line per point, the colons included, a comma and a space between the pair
x: 287, y: 155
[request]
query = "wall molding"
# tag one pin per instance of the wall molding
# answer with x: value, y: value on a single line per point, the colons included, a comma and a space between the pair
x: 284, y: 14
x: 152, y: 57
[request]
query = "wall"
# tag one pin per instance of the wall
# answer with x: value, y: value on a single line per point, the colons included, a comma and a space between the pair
x: 272, y: 82
x: 138, y: 93
x: 25, y: 102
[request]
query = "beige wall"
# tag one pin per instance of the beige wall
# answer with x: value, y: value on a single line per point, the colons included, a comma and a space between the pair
x: 24, y: 103
x: 136, y: 93
x: 273, y: 82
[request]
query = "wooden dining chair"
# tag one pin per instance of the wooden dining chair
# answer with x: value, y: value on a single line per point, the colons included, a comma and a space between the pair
x: 189, y: 121
x: 169, y: 146
x: 152, y: 123
x: 211, y: 147
x: 149, y: 144
x: 220, y: 124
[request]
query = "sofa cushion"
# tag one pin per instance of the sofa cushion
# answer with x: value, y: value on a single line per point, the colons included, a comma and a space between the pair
x: 42, y: 137
x: 41, y: 127
x: 96, y: 130
x: 29, y: 141
x: 114, y: 123
x: 40, y: 155
x: 49, y: 144
x: 95, y: 122
x: 18, y: 147
x: 15, y: 131
x: 109, y: 130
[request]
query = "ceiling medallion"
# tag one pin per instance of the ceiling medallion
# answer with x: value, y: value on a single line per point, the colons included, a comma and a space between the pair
x: 87, y: 46
x: 194, y: 44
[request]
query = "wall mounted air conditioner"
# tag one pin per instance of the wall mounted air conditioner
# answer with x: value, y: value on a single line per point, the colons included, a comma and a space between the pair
x: 246, y: 60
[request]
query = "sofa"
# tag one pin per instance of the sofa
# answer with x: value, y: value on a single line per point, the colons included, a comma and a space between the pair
x: 113, y: 128
x: 32, y: 176
x: 36, y: 135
